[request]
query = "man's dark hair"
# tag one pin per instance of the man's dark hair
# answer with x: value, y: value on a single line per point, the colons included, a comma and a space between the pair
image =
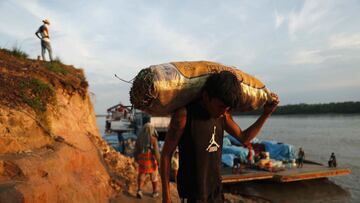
x: 224, y: 86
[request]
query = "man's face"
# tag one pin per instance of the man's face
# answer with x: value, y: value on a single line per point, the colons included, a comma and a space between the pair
x: 215, y: 106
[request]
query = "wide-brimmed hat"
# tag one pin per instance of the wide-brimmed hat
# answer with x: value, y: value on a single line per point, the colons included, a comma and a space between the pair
x: 46, y: 21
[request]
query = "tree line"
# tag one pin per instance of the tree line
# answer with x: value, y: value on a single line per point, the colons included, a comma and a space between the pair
x: 329, y: 108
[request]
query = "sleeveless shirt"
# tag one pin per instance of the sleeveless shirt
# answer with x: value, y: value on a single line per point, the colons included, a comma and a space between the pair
x: 200, y: 149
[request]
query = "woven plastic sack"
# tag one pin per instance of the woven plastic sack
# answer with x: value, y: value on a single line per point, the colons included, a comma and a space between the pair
x: 161, y: 89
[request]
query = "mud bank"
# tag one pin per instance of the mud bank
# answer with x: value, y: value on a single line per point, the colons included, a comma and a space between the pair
x: 51, y: 150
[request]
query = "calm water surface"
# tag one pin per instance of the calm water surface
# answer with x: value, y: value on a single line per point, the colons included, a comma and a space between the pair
x: 318, y: 136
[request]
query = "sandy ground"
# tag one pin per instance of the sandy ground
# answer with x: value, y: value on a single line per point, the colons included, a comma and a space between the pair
x: 147, y: 191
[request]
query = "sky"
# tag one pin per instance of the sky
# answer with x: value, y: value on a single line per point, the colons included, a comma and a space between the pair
x: 305, y: 51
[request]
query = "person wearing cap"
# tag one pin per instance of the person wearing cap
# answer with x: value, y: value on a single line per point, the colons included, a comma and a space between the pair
x: 43, y: 34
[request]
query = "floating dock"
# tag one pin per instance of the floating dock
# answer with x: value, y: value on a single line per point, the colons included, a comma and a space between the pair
x: 310, y: 170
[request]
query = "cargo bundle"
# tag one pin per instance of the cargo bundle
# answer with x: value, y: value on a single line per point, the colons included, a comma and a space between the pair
x: 161, y: 89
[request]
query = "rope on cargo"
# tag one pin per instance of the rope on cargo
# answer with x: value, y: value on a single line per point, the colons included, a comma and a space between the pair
x: 130, y: 81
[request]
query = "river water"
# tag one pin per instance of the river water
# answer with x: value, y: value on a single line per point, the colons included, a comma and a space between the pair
x: 319, y: 136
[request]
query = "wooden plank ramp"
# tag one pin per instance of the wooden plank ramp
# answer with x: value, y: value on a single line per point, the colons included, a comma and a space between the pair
x: 308, y: 171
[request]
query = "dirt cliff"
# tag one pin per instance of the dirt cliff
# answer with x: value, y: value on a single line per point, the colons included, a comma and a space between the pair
x: 50, y: 147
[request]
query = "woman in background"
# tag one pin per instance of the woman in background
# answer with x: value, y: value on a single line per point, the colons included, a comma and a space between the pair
x: 148, y: 157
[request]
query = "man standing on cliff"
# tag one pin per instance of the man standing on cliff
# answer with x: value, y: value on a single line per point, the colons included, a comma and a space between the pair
x: 198, y: 130
x: 45, y: 39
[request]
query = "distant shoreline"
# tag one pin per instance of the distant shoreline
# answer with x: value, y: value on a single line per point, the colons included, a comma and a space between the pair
x: 100, y: 115
x: 312, y: 109
x: 339, y: 108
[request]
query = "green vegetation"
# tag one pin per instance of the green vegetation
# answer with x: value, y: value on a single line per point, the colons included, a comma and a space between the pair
x: 56, y: 67
x: 36, y: 94
x: 17, y: 52
x: 330, y: 108
x: 335, y: 108
x: 28, y: 84
x: 57, y: 60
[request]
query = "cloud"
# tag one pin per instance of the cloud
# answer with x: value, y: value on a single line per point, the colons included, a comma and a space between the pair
x: 309, y: 18
x: 15, y: 27
x: 345, y: 41
x: 279, y: 19
x: 311, y: 57
x: 307, y: 57
x: 176, y: 42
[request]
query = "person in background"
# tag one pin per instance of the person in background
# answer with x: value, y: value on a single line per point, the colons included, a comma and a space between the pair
x: 175, y: 164
x: 121, y: 142
x: 43, y: 34
x: 147, y: 155
x: 237, y: 165
x: 301, y: 157
x: 332, y: 160
x: 198, y: 130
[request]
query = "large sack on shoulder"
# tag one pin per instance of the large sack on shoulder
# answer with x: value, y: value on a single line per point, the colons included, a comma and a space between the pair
x: 160, y: 89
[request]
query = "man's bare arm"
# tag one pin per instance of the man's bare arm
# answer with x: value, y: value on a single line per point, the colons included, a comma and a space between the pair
x: 173, y: 135
x: 250, y: 133
x: 37, y: 34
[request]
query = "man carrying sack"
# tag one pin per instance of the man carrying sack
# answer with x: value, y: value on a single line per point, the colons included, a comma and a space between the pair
x: 198, y: 130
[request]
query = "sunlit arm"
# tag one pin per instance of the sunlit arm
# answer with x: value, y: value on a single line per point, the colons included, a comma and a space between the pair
x: 173, y: 135
x: 247, y: 135
x: 251, y: 132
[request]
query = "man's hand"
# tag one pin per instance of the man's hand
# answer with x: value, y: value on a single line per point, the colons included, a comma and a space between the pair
x: 271, y: 107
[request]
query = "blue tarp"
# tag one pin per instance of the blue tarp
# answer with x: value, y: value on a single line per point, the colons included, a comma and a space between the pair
x: 233, y: 140
x: 228, y: 159
x: 232, y: 148
x: 237, y: 151
x: 279, y: 151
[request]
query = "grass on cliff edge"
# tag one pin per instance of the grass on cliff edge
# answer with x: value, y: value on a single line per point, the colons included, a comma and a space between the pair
x: 54, y: 72
x: 36, y: 94
x: 17, y: 52
x: 28, y: 83
x: 56, y: 66
x: 14, y: 67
